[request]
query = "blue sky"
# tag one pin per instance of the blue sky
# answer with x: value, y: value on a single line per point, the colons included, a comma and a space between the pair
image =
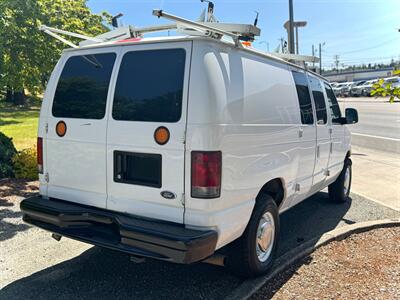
x: 359, y: 31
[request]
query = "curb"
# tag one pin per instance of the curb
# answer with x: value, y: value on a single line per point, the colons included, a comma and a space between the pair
x: 375, y: 142
x: 251, y: 286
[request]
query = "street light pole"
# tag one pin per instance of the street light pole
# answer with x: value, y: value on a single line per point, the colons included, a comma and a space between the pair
x: 291, y: 33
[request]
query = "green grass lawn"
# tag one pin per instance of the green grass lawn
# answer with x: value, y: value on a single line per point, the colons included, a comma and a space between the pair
x: 20, y: 123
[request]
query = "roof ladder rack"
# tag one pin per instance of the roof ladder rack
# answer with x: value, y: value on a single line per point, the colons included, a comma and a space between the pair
x: 237, y: 32
x: 53, y: 32
x: 209, y: 29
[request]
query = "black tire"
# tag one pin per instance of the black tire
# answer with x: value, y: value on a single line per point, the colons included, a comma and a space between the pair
x: 336, y: 189
x: 242, y: 257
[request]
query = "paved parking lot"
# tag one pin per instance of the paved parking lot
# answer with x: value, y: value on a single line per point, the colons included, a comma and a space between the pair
x: 34, y: 266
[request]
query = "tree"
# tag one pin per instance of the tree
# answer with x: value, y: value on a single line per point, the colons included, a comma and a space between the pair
x: 27, y: 55
x: 386, y: 89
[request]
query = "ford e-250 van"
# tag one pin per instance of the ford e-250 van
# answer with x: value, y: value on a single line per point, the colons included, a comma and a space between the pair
x: 173, y: 148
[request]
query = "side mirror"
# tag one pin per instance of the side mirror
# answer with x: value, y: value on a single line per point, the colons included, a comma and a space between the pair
x: 351, y: 116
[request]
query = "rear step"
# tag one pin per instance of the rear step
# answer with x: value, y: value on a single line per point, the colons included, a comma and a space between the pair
x: 134, y: 235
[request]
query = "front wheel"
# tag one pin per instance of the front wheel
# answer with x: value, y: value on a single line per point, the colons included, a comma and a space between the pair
x: 253, y: 253
x: 339, y: 190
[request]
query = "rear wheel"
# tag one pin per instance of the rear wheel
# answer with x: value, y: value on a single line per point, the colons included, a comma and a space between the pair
x: 253, y: 253
x: 339, y: 190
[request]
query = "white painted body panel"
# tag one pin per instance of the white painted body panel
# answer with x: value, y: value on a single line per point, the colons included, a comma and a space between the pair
x: 76, y: 163
x: 138, y: 137
x: 242, y: 105
x: 235, y: 101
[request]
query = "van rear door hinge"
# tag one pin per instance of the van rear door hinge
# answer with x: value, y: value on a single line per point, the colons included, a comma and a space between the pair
x: 47, y: 128
x: 47, y: 177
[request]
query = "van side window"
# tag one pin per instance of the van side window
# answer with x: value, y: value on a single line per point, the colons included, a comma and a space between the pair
x: 83, y: 87
x: 319, y: 100
x: 303, y: 94
x: 333, y: 104
x: 149, y: 87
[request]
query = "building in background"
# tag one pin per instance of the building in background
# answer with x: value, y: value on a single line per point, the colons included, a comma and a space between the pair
x: 357, y: 75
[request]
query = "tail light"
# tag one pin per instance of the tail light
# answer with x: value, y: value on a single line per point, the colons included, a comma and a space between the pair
x: 206, y: 174
x: 40, y: 154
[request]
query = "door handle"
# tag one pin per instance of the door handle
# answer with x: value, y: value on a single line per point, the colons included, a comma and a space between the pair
x: 301, y: 132
x: 86, y: 124
x: 318, y: 151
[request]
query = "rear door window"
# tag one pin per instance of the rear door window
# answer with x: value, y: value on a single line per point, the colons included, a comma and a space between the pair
x: 149, y: 87
x: 319, y: 100
x: 303, y: 94
x: 83, y: 87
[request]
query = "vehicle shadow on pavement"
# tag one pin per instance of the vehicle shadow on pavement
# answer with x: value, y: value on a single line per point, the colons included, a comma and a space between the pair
x: 103, y: 274
x: 310, y: 220
x: 10, y: 214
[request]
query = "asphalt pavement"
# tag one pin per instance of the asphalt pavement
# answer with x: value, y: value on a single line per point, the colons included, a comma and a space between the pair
x: 34, y: 266
x: 377, y: 117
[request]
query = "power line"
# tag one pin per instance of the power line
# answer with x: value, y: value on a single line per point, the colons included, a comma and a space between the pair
x: 369, y: 48
x: 362, y: 59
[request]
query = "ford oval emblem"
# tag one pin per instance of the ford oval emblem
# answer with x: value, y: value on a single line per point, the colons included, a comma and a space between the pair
x: 168, y: 195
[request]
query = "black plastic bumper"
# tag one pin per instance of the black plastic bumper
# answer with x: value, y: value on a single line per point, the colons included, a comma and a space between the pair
x: 127, y: 233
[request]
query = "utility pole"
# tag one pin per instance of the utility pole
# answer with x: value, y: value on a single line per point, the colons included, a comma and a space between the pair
x: 282, y: 48
x: 313, y: 53
x: 337, y: 61
x: 291, y: 33
x: 320, y: 58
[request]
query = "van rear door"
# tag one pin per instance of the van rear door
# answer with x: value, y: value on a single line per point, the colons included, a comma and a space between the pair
x: 76, y: 154
x: 146, y: 178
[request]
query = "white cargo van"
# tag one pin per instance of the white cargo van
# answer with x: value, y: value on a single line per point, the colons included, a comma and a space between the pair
x: 173, y: 148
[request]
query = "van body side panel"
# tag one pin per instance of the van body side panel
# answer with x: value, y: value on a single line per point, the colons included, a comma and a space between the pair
x: 138, y: 168
x: 337, y: 130
x: 307, y: 137
x: 245, y: 106
x: 323, y: 134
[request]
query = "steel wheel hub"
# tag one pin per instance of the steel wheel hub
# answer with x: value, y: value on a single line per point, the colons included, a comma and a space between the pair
x: 265, y: 236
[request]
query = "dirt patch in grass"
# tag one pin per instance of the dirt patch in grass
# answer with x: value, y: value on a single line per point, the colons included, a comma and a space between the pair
x: 363, y: 266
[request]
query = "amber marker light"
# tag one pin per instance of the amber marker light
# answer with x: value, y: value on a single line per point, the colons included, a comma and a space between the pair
x: 61, y: 128
x: 161, y: 135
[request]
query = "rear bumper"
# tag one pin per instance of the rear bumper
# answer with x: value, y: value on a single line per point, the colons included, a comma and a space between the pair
x: 134, y: 235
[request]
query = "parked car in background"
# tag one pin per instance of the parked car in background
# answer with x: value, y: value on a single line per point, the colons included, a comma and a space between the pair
x: 354, y: 92
x: 394, y: 81
x: 334, y: 84
x: 364, y: 89
x: 346, y: 88
x: 338, y: 89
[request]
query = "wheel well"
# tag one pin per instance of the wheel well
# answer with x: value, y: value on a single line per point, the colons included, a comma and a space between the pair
x: 275, y: 189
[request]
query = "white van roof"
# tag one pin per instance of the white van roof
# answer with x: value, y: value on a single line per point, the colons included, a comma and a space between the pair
x: 171, y: 39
